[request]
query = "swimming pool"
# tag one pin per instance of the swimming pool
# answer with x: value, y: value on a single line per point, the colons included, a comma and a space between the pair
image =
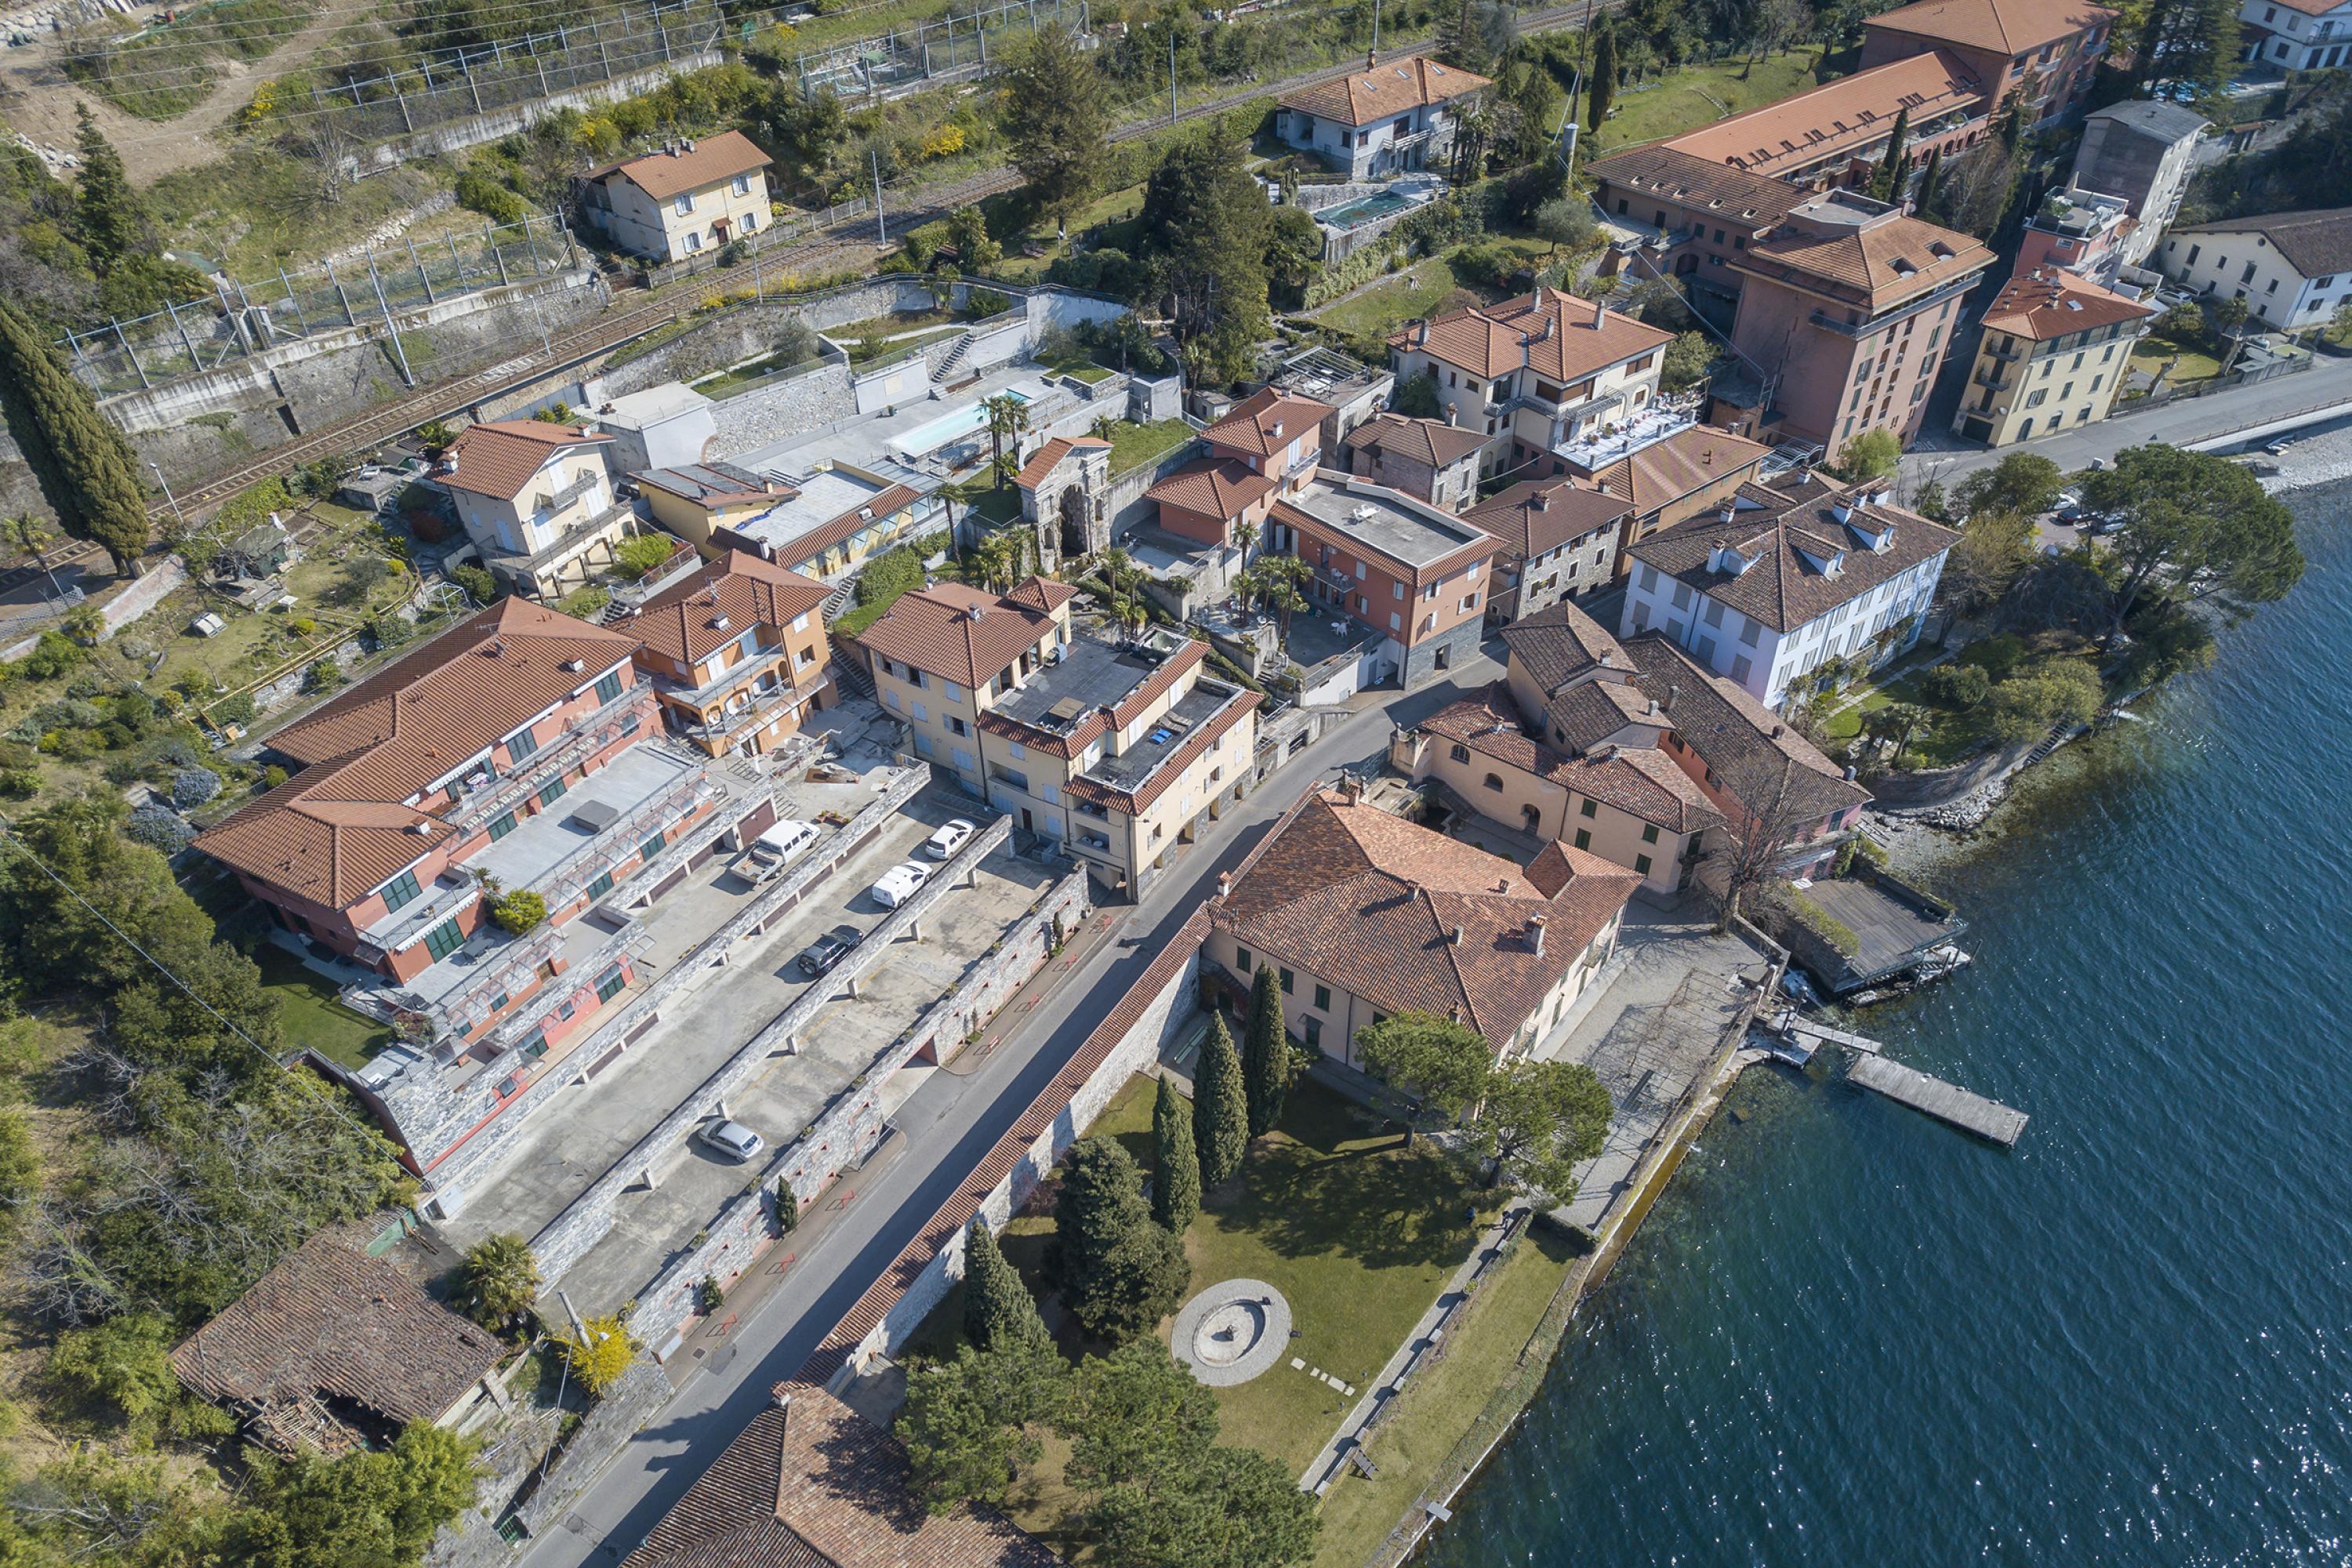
x: 1364, y: 210
x: 929, y: 437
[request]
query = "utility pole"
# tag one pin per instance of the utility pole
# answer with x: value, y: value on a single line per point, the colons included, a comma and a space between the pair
x: 1376, y: 26
x: 167, y: 496
x: 1171, y: 73
x: 881, y: 232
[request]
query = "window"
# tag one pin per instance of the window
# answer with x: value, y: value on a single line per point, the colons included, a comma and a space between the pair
x: 742, y: 186
x: 601, y: 885
x: 684, y: 205
x: 1649, y: 833
x: 652, y: 846
x: 1323, y: 998
x: 1742, y: 667
x: 1588, y: 808
x: 1242, y: 959
x: 694, y: 242
x: 1286, y: 978
x: 570, y: 1007
x: 1583, y: 839
x: 610, y: 984
x: 502, y: 824
x: 1494, y: 783
x: 1713, y: 613
x: 1314, y: 1030
x: 522, y: 744
x: 553, y: 792
x: 1460, y: 753
x: 1642, y: 864
x: 401, y: 890
x: 444, y: 938
x: 750, y: 221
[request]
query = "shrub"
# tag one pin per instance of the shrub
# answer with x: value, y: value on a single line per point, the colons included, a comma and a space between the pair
x: 598, y: 1359
x: 518, y: 911
x: 1955, y: 685
x: 885, y: 578
x: 236, y: 710
x: 476, y: 581
x: 324, y: 675
x: 160, y: 828
x: 586, y: 603
x: 478, y: 191
x: 52, y: 656
x: 191, y: 787
x: 272, y: 776
x: 640, y: 554
x: 709, y: 1296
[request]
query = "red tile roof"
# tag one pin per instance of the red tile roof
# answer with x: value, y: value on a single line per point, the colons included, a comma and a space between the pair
x: 1212, y: 488
x: 1640, y: 781
x: 662, y: 174
x: 1033, y: 472
x: 500, y: 458
x: 1267, y: 422
x: 810, y: 1484
x: 1848, y: 114
x: 1754, y: 200
x: 2009, y: 27
x: 2049, y: 302
x: 1538, y: 515
x: 1876, y: 265
x: 1685, y: 463
x: 1432, y: 442
x: 1553, y: 333
x: 958, y: 633
x: 340, y: 828
x: 1373, y: 902
x: 738, y: 589
x: 1378, y: 91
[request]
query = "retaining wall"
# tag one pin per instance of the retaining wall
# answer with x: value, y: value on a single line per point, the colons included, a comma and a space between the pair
x: 480, y: 128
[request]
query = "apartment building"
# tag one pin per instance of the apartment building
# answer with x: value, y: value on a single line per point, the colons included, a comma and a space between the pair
x: 1836, y: 134
x: 1267, y: 446
x: 1362, y: 915
x: 1693, y: 216
x: 1850, y: 305
x: 833, y: 518
x: 2052, y: 358
x: 736, y: 654
x: 682, y: 200
x: 1119, y: 751
x: 1411, y: 581
x: 1793, y: 572
x: 508, y: 754
x: 1664, y: 472
x: 1555, y: 538
x: 2144, y: 151
x: 2085, y: 232
x: 2292, y: 269
x: 1427, y: 459
x: 2298, y: 34
x: 537, y: 502
x: 1382, y: 120
x: 2046, y: 55
x: 1532, y: 373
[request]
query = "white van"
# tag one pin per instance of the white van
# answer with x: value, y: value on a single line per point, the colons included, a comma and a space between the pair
x: 900, y: 883
x: 774, y: 850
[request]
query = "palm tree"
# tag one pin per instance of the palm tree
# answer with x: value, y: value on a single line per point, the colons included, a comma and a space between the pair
x: 1274, y: 584
x: 950, y: 493
x: 501, y: 1278
x: 1008, y: 416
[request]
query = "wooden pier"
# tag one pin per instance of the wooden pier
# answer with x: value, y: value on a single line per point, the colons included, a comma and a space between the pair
x: 1933, y: 1096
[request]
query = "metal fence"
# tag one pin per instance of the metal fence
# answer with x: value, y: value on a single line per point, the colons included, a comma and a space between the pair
x: 902, y: 60
x: 246, y: 317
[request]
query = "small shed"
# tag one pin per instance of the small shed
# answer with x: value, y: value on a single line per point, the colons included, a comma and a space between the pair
x: 259, y: 551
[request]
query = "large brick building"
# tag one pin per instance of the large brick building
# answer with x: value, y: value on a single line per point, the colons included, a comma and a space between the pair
x: 2044, y: 54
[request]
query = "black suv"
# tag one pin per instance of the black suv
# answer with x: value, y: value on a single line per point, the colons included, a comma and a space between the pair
x: 828, y: 950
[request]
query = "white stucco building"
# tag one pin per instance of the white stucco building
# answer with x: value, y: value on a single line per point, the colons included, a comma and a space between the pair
x: 537, y: 502
x: 683, y: 200
x: 1381, y: 121
x: 2298, y: 34
x: 2292, y: 269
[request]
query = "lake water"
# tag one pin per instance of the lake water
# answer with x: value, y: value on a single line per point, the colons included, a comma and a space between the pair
x: 1849, y: 1335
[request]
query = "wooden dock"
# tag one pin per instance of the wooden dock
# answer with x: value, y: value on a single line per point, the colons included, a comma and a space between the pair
x: 1822, y: 1035
x: 1933, y: 1096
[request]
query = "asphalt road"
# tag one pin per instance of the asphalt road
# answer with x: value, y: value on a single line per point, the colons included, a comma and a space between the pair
x: 944, y: 1130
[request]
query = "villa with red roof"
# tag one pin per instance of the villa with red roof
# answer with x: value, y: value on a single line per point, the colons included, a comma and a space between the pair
x: 736, y: 653
x: 2053, y: 357
x: 1381, y: 121
x: 537, y: 502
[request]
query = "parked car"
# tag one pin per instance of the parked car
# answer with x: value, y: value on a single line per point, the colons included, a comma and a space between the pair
x: 2277, y: 448
x: 954, y: 835
x: 2068, y: 506
x: 819, y: 956
x: 731, y: 1139
x: 899, y: 882
x: 774, y: 850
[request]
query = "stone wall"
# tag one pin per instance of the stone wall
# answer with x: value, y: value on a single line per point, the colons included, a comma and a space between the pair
x: 1127, y: 507
x: 852, y: 1127
x: 480, y: 128
x: 807, y: 402
x: 1458, y: 646
x: 742, y: 333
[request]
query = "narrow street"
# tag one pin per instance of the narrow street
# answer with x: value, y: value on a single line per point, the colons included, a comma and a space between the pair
x: 943, y: 1130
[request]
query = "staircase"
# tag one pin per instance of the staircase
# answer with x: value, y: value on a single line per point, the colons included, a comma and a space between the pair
x: 947, y: 366
x: 837, y: 605
x: 2050, y: 743
x: 849, y: 676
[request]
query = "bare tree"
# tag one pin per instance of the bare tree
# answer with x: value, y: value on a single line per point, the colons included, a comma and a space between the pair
x: 1752, y: 843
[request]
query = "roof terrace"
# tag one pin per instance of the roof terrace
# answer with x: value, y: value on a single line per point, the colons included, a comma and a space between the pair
x: 1091, y: 674
x: 1384, y: 520
x: 1136, y: 763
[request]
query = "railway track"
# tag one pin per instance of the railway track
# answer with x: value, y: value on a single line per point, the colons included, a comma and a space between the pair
x: 836, y: 243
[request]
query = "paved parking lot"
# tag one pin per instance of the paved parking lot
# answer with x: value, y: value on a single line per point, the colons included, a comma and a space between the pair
x: 576, y: 1139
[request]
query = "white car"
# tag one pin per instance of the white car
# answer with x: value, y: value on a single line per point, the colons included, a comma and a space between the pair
x: 899, y: 882
x: 731, y: 1137
x: 954, y: 835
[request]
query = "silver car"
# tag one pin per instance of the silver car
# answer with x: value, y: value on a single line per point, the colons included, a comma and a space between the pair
x: 731, y: 1139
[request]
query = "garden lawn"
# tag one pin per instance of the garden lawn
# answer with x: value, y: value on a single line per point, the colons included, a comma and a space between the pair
x: 2190, y: 361
x: 1427, y: 288
x: 1948, y: 735
x: 1132, y: 445
x: 310, y: 1013
x: 1694, y: 96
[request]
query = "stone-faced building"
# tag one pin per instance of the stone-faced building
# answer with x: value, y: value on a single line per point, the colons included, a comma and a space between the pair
x: 1556, y: 539
x: 1412, y: 577
x: 1427, y: 459
x: 1065, y: 496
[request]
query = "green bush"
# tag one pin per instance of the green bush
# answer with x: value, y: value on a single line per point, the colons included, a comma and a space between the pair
x: 478, y: 191
x: 640, y: 554
x: 889, y: 575
x: 1955, y: 685
x: 520, y: 911
x: 1998, y: 656
x: 586, y: 603
x: 476, y: 581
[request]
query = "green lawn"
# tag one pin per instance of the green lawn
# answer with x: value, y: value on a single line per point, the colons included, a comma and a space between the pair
x: 897, y: 322
x: 1427, y: 288
x: 1132, y: 445
x: 307, y: 1008
x: 2190, y: 361
x: 1948, y: 735
x: 1694, y: 96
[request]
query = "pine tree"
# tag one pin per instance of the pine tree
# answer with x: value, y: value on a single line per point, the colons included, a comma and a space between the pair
x: 997, y: 1307
x: 1119, y: 1270
x: 1176, y: 1163
x: 1603, y: 86
x: 84, y: 467
x: 1055, y: 121
x: 1265, y: 1053
x: 1887, y: 183
x: 114, y: 227
x: 1219, y: 1108
x: 1928, y: 180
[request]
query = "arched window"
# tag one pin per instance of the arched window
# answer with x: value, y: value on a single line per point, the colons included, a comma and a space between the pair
x: 1494, y: 783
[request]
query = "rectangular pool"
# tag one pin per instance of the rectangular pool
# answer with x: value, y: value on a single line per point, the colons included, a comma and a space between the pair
x: 1364, y: 210
x: 929, y: 436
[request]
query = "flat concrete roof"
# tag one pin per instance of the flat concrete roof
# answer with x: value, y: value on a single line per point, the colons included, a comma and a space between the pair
x: 1137, y: 762
x: 1092, y: 674
x: 538, y: 844
x: 1388, y: 522
x: 825, y: 495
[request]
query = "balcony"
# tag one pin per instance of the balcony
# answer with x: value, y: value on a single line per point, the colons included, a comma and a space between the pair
x: 448, y: 895
x: 563, y: 547
x: 2013, y: 354
x: 548, y: 502
x: 571, y: 875
x: 763, y: 706
x: 589, y: 960
x: 603, y: 818
x: 483, y: 795
x: 758, y: 661
x: 1997, y: 381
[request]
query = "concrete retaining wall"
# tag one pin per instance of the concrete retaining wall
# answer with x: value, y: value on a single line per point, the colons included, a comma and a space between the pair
x: 489, y: 127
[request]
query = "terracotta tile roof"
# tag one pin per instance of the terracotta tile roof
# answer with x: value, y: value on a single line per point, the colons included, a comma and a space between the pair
x: 1848, y: 114
x: 1555, y: 334
x: 1752, y: 201
x: 1171, y: 767
x: 500, y: 457
x: 2049, y: 302
x: 329, y: 1321
x: 1782, y: 527
x: 1051, y: 1104
x: 1538, y: 515
x: 339, y: 828
x: 1430, y: 441
x: 2315, y: 243
x: 1560, y: 642
x: 2008, y: 27
x: 1041, y: 593
x: 957, y: 632
x: 740, y: 589
x: 808, y: 1483
x: 714, y: 484
x: 1685, y: 463
x: 864, y: 515
x: 1033, y: 472
x: 662, y: 175
x: 1594, y: 712
x: 1877, y: 265
x: 1372, y: 902
x: 1266, y: 422
x: 1639, y: 780
x: 1361, y: 98
x: 1212, y: 488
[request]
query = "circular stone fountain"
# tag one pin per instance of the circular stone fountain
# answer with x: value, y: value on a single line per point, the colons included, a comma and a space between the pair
x: 1231, y: 1333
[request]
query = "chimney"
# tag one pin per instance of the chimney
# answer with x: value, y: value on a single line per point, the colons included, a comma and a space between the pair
x: 1779, y: 731
x: 1599, y: 313
x: 1603, y: 660
x: 1728, y: 513
x: 1536, y: 924
x: 1421, y: 333
x: 1536, y: 303
x: 1672, y: 692
x: 1454, y: 938
x: 1224, y: 883
x: 977, y: 611
x: 1351, y: 789
x: 1371, y: 59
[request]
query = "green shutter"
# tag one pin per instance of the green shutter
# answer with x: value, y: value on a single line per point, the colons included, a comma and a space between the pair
x: 502, y: 824
x: 444, y: 938
x: 653, y: 847
x: 609, y: 986
x: 555, y: 791
x: 1642, y: 864
x: 609, y: 688
x: 601, y: 885
x: 1583, y: 840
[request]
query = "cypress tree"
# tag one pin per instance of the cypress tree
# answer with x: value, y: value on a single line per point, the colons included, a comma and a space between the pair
x: 1604, y: 85
x: 998, y: 1310
x: 788, y: 1206
x: 1887, y: 183
x: 1932, y: 176
x: 112, y: 220
x: 1176, y: 1163
x: 1219, y: 1108
x: 84, y: 467
x: 1265, y: 1053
